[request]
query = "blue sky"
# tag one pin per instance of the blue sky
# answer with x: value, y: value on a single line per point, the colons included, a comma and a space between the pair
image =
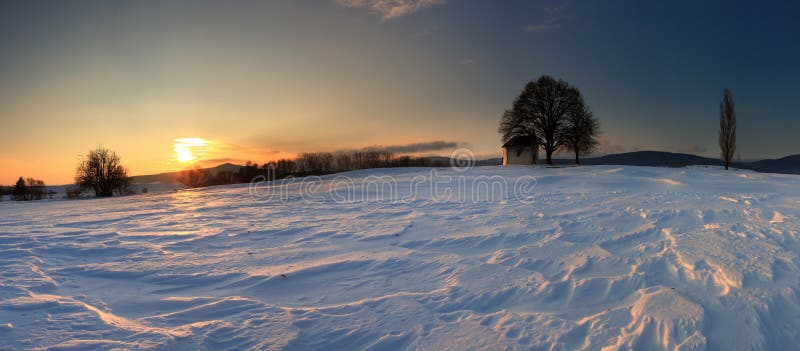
x: 269, y: 79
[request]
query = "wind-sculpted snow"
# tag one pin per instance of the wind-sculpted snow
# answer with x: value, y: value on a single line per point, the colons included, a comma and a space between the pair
x: 595, y: 258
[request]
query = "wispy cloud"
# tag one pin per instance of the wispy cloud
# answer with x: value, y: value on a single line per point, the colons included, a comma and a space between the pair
x: 556, y: 15
x: 535, y: 28
x: 389, y: 9
x: 466, y: 61
x: 416, y: 147
x: 226, y: 148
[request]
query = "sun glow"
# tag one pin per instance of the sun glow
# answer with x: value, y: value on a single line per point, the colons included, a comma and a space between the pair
x: 189, y: 149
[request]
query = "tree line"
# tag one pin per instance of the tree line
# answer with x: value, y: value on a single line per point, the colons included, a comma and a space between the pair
x: 305, y: 164
x: 26, y: 189
x: 101, y: 171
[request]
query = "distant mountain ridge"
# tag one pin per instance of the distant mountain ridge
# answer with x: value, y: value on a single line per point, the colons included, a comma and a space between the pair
x: 171, y: 177
x: 786, y: 165
x: 652, y: 158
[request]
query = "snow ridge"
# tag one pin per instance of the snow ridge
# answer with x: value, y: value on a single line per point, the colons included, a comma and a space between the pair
x: 604, y: 258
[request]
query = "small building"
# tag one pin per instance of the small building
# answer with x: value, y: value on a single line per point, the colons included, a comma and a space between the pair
x: 521, y: 150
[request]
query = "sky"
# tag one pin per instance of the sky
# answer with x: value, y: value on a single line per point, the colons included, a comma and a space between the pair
x: 167, y: 83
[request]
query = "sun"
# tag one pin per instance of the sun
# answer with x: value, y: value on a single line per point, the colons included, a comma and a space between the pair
x: 189, y: 149
x: 183, y: 153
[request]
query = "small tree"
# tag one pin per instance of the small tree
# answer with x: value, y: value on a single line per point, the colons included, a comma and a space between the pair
x: 580, y: 132
x: 73, y: 192
x: 101, y: 170
x: 194, y: 177
x: 20, y: 191
x: 727, y: 128
x: 36, y: 189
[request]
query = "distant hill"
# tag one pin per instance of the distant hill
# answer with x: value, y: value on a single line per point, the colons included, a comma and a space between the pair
x: 651, y: 158
x: 170, y: 177
x: 638, y: 158
x: 788, y: 164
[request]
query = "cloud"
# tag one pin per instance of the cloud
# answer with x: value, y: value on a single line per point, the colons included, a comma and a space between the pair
x: 226, y: 148
x: 389, y: 9
x: 416, y: 147
x: 535, y: 28
x: 551, y: 23
x: 466, y: 61
x: 556, y: 16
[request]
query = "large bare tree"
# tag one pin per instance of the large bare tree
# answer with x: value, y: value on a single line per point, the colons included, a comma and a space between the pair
x: 518, y: 121
x: 101, y: 170
x: 580, y: 132
x: 727, y: 128
x: 541, y: 111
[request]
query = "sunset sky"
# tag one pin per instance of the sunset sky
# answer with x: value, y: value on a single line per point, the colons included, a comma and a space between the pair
x: 260, y: 80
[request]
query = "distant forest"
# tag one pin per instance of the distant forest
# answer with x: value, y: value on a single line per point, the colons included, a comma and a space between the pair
x: 306, y: 164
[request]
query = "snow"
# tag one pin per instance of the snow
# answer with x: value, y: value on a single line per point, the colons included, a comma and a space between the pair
x: 599, y: 258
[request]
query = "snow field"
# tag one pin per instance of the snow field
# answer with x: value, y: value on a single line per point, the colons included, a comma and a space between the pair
x: 602, y: 258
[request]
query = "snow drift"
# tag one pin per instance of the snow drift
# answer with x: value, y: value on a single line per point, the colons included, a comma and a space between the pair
x: 602, y: 258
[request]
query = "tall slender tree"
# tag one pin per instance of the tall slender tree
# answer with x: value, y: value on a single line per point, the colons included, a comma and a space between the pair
x: 580, y: 132
x: 727, y: 128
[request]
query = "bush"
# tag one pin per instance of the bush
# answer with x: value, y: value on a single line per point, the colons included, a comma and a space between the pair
x: 73, y: 193
x: 36, y: 189
x: 194, y: 177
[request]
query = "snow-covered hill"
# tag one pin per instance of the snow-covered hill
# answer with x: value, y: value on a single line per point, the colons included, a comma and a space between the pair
x: 599, y: 258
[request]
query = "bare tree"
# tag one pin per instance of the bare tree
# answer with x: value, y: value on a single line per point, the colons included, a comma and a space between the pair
x: 343, y: 162
x: 540, y: 111
x: 102, y: 171
x: 580, y: 132
x: 194, y: 177
x: 516, y: 123
x: 727, y: 128
x: 35, y: 188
